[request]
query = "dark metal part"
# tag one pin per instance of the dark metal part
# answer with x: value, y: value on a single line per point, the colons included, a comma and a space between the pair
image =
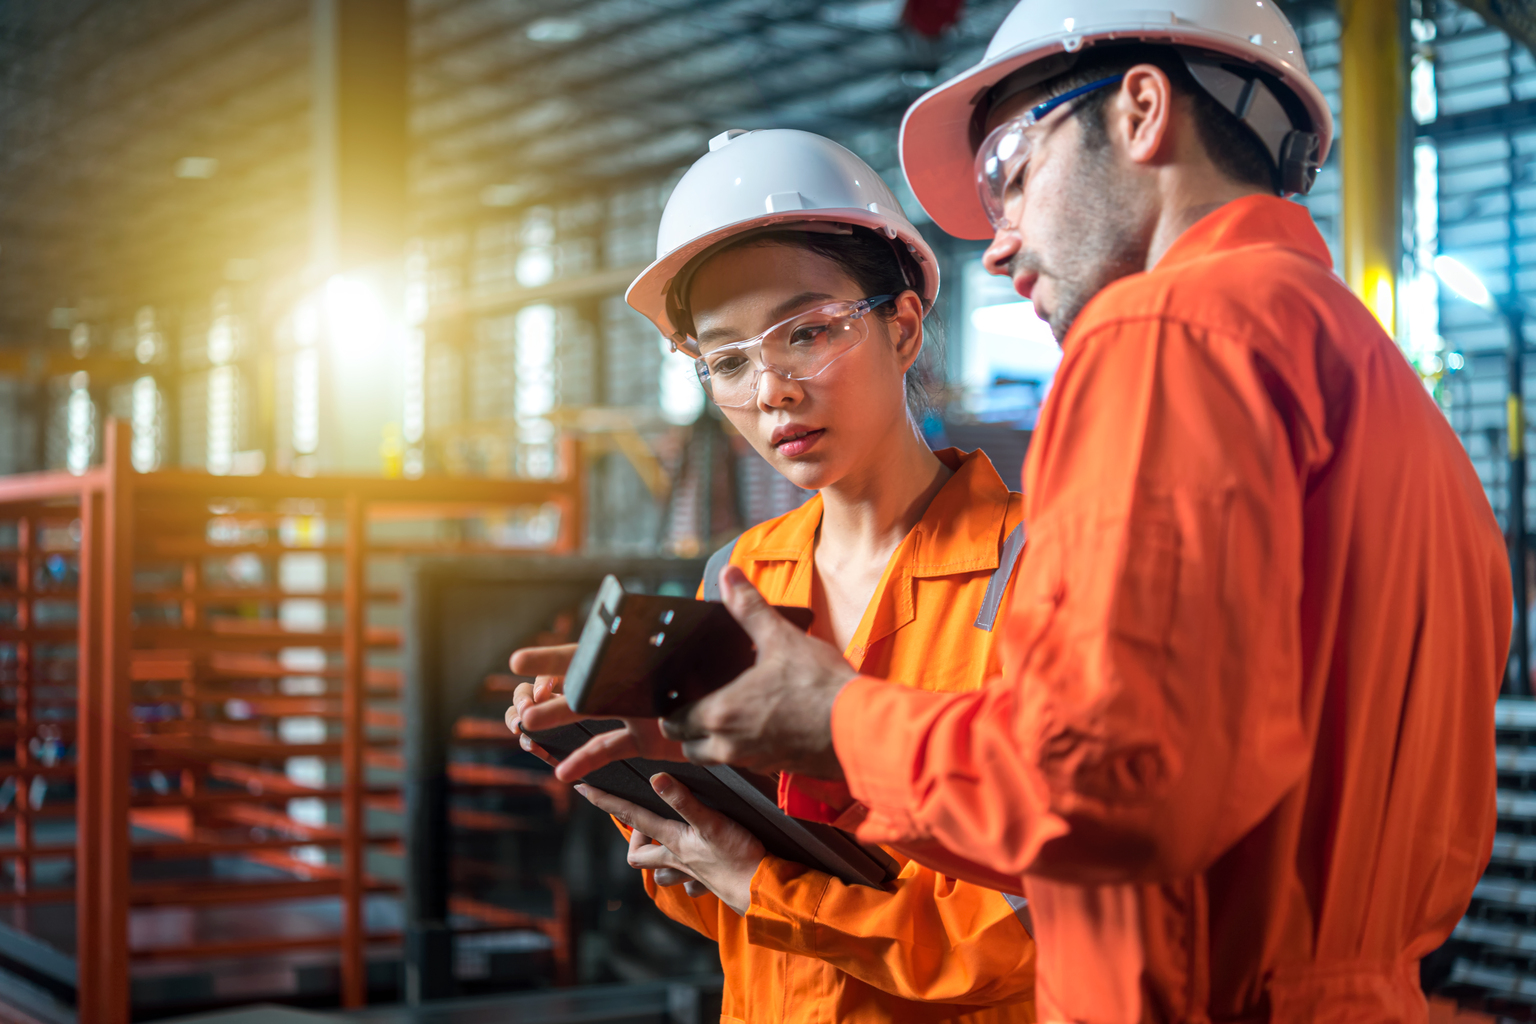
x: 463, y: 618
x: 1520, y: 652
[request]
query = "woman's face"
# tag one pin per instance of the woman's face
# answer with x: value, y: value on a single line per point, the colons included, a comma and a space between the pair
x: 812, y: 431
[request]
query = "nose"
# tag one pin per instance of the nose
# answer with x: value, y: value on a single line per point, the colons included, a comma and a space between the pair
x: 1005, y: 245
x: 776, y: 392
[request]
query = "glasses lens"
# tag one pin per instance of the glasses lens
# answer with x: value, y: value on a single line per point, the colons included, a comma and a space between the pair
x: 797, y: 349
x: 729, y: 375
x: 999, y: 163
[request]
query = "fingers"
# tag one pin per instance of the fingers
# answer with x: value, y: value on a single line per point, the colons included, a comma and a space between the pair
x: 670, y: 872
x: 681, y: 799
x: 672, y: 876
x: 694, y: 889
x: 533, y: 748
x: 653, y: 857
x: 747, y: 607
x: 542, y: 661
x: 636, y: 817
x: 548, y: 714
x: 602, y: 749
x: 522, y: 695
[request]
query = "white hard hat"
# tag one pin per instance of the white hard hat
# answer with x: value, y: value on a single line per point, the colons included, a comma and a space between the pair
x: 939, y: 133
x: 774, y: 178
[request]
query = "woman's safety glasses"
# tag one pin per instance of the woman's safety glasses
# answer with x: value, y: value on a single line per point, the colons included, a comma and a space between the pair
x: 799, y: 348
x: 1003, y: 156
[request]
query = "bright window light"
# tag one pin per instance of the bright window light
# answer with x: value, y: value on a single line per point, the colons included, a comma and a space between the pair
x: 1463, y: 280
x: 1010, y: 341
x: 1424, y: 101
x: 354, y: 316
x: 223, y: 384
x: 414, y: 416
x: 682, y: 397
x: 306, y: 401
x: 80, y: 420
x: 536, y: 389
x: 145, y: 418
x: 535, y: 360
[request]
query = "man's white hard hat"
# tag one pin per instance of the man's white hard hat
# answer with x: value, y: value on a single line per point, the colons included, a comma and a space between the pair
x: 774, y: 178
x: 939, y: 133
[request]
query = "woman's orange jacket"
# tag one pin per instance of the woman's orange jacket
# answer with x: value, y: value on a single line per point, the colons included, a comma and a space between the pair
x: 812, y: 949
x: 1242, y: 748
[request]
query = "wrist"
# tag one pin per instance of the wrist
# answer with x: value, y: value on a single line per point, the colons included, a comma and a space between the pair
x: 739, y: 893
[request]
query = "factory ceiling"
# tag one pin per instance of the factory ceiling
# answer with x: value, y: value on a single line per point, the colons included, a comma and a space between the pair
x: 1517, y: 18
x: 154, y: 150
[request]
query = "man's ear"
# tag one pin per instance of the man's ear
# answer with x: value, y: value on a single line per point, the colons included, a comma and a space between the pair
x: 907, y: 329
x: 1141, y: 114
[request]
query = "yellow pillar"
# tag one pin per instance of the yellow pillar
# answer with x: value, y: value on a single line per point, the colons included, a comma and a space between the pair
x: 1374, y: 100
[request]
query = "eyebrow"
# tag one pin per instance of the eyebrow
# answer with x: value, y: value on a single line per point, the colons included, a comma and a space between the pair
x: 775, y: 315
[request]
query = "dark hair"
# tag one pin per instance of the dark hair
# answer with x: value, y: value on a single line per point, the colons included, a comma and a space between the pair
x: 1232, y: 146
x: 878, y: 267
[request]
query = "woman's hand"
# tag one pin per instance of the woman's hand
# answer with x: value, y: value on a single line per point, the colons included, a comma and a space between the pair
x: 541, y: 705
x: 547, y: 665
x: 705, y: 846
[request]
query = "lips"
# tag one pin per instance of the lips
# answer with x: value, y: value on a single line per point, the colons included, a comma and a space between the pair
x: 794, y: 439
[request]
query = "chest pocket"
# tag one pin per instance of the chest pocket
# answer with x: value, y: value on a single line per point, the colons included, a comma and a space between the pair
x: 991, y: 601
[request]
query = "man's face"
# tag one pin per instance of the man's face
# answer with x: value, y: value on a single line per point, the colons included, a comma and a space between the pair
x: 1076, y: 222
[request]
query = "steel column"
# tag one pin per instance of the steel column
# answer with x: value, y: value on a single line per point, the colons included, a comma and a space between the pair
x: 354, y: 964
x: 89, y: 828
x: 1372, y: 142
x: 116, y: 727
x: 1520, y: 649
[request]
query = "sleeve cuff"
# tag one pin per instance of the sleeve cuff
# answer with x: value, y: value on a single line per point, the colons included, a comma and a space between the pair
x: 785, y: 897
x: 878, y: 732
x: 813, y: 799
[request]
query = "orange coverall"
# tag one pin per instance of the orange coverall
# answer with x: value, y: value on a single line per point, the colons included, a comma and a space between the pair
x: 1242, y: 747
x: 812, y: 949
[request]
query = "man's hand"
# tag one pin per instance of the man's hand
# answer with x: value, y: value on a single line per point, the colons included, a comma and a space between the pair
x: 706, y: 849
x: 777, y: 715
x: 540, y: 705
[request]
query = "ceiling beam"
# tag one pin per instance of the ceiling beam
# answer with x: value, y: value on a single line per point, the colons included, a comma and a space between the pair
x: 1515, y: 18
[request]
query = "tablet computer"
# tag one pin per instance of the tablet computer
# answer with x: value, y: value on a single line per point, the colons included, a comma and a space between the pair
x: 747, y: 798
x: 648, y: 655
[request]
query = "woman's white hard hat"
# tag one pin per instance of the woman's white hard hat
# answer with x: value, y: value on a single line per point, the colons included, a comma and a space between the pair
x: 773, y: 178
x: 938, y: 134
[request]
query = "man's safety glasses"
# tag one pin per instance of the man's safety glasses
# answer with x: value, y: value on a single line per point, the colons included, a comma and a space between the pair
x: 1001, y: 160
x: 799, y: 348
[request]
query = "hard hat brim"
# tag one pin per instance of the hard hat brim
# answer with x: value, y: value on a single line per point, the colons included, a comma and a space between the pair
x: 648, y: 292
x: 935, y: 144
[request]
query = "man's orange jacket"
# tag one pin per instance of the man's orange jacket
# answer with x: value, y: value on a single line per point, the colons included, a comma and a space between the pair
x: 1241, y: 751
x: 811, y: 949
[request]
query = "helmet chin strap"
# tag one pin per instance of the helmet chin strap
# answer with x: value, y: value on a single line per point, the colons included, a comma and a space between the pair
x: 1251, y: 100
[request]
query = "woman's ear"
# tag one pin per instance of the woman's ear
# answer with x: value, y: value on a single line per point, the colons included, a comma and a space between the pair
x: 907, y: 329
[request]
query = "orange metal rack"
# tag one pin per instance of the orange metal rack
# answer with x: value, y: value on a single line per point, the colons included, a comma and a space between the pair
x: 171, y: 677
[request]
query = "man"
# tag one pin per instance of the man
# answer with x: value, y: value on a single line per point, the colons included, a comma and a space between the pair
x: 1242, y: 752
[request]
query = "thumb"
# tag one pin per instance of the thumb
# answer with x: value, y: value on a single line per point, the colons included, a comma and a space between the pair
x: 747, y: 606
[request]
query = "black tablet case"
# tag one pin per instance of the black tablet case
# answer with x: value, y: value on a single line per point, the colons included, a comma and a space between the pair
x: 745, y: 797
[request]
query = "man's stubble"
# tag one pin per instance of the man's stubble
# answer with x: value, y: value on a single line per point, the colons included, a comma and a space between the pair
x: 1095, y: 240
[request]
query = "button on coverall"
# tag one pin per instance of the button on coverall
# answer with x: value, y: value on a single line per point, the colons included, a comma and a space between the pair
x: 1241, y: 749
x: 811, y: 949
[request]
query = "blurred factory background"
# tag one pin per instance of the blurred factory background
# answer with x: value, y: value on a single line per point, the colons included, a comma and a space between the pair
x: 311, y: 322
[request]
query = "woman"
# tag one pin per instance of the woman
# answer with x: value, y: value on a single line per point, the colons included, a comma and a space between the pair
x: 788, y: 271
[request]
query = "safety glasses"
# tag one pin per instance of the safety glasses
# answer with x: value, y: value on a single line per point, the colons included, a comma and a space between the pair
x: 799, y: 348
x: 1003, y: 156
